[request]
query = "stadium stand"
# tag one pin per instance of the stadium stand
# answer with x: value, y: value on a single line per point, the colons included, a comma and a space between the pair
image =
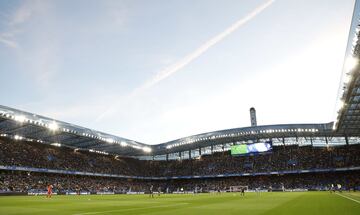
x: 36, y: 183
x: 291, y: 158
x: 30, y: 154
x: 21, y: 153
x: 280, y: 159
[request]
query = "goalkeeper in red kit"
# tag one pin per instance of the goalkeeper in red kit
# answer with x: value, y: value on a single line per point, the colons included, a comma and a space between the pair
x: 49, y: 191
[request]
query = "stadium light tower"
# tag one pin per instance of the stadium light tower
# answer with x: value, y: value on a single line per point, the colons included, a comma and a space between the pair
x: 253, y: 117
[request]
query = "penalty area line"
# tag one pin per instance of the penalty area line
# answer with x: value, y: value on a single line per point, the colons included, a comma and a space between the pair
x: 357, y: 201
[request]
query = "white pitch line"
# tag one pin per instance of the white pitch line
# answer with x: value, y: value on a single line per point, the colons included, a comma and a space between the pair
x: 130, y: 209
x: 357, y: 201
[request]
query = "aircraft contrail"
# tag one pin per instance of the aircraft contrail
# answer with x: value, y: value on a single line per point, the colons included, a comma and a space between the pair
x: 193, y: 55
x: 202, y: 49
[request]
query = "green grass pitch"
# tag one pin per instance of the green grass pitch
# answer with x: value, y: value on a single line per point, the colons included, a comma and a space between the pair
x: 229, y: 203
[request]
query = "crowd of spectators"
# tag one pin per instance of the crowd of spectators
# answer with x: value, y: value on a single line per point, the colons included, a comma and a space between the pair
x: 38, y: 155
x: 37, y: 182
x: 34, y: 182
x: 281, y: 158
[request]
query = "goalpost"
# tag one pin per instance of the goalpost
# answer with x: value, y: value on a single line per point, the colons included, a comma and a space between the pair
x: 238, y: 188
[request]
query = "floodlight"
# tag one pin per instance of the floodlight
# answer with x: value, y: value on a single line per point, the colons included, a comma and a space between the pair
x: 347, y: 78
x: 351, y: 63
x: 146, y: 149
x: 340, y: 105
x: 136, y: 147
x: 56, y: 144
x: 53, y: 126
x: 334, y: 125
x: 17, y: 137
x: 20, y: 118
x: 109, y: 140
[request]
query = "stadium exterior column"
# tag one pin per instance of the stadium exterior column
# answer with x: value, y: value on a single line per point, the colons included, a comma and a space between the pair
x: 200, y: 151
x: 167, y: 157
x: 346, y: 140
x: 326, y: 140
x: 212, y: 149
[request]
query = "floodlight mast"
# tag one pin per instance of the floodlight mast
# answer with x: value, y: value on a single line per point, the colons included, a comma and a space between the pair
x: 253, y: 117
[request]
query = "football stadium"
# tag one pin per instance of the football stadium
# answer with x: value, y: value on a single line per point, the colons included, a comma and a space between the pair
x: 49, y: 166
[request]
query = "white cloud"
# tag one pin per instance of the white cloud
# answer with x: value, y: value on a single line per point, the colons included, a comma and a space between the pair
x: 24, y: 12
x: 27, y: 31
x: 15, y: 21
x: 190, y: 57
x: 291, y: 91
x: 73, y: 112
x: 9, y: 42
x: 117, y: 12
x: 202, y: 49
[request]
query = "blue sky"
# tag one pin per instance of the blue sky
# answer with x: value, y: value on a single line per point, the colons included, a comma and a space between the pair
x: 90, y: 63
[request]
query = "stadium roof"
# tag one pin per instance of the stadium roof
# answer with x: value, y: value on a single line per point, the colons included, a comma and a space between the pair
x: 23, y: 125
x: 246, y: 134
x: 348, y: 105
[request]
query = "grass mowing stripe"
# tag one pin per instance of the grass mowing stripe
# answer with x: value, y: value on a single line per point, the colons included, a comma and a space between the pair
x: 131, y: 209
x: 348, y: 198
x: 272, y: 203
x: 357, y: 195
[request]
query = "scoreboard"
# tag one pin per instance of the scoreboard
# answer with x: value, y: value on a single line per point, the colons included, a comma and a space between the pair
x: 243, y: 149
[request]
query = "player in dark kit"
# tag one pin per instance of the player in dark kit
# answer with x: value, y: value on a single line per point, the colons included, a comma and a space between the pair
x: 151, y: 191
x: 242, y: 191
x: 159, y: 191
x: 77, y: 188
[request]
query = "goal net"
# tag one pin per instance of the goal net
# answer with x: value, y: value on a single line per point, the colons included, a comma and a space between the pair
x: 238, y: 188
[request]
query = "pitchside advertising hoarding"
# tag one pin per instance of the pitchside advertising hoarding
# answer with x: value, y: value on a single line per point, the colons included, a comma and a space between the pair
x: 243, y: 149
